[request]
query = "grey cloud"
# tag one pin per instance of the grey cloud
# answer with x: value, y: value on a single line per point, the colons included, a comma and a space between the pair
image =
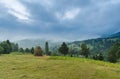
x: 96, y: 18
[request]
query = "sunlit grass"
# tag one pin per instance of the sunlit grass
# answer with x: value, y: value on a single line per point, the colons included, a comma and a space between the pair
x: 29, y: 67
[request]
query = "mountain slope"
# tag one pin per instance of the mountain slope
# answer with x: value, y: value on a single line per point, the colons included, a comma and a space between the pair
x: 116, y: 35
x: 99, y: 45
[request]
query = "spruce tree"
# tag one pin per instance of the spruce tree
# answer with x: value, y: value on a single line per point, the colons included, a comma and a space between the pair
x: 32, y: 50
x: 64, y: 49
x: 46, y: 48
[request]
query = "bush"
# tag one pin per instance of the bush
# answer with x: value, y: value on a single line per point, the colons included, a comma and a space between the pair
x: 38, y: 51
x: 54, y: 54
x: 98, y: 57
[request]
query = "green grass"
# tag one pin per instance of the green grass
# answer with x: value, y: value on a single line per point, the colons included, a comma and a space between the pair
x: 29, y: 67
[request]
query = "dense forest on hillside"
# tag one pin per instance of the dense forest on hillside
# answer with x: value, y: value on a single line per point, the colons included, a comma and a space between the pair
x: 99, y: 45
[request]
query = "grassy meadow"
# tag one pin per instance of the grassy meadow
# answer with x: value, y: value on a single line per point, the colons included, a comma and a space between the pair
x: 31, y: 67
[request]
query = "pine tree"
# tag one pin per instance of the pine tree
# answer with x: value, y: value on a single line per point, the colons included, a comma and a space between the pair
x: 47, y: 48
x: 10, y: 46
x: 64, y: 49
x: 32, y: 50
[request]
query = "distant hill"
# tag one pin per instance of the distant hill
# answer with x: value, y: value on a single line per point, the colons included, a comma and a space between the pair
x: 99, y: 45
x: 116, y: 35
x: 96, y: 45
x: 29, y: 43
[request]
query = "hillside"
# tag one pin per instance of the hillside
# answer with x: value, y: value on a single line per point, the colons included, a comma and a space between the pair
x: 116, y: 35
x: 99, y: 45
x: 30, y: 67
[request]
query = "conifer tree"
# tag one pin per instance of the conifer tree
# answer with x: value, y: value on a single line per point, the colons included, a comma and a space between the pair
x: 32, y: 50
x: 64, y: 49
x: 46, y: 48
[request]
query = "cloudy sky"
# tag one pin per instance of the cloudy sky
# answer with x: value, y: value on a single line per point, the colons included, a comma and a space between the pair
x: 58, y: 19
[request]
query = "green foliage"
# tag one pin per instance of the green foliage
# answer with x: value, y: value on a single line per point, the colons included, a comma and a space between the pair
x: 114, y: 53
x: 98, y: 57
x: 84, y: 50
x: 64, y: 49
x: 73, y: 52
x: 6, y: 45
x: 32, y: 50
x: 21, y: 50
x: 98, y: 45
x: 10, y: 45
x: 38, y: 51
x: 27, y: 50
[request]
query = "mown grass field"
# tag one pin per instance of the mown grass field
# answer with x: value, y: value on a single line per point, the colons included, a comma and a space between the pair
x: 30, y: 67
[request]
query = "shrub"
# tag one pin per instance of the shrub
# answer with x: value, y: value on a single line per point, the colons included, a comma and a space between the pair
x: 98, y: 57
x: 38, y: 51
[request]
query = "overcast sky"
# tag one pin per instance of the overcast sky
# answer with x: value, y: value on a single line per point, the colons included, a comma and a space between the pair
x: 58, y: 19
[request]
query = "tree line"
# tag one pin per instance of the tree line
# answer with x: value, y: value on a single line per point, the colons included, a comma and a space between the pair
x: 113, y: 54
x: 64, y: 50
x: 6, y: 47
